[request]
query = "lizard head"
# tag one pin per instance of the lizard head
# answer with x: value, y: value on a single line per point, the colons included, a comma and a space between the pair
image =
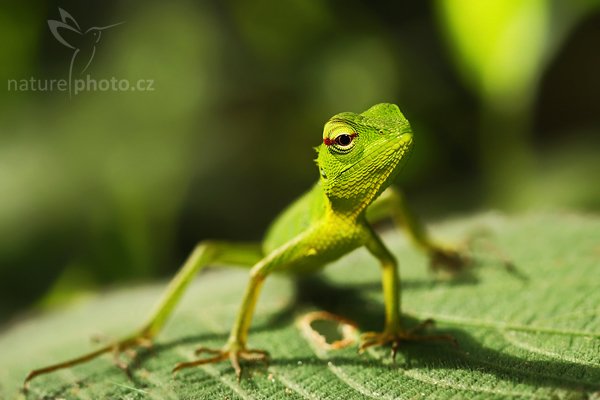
x: 361, y: 154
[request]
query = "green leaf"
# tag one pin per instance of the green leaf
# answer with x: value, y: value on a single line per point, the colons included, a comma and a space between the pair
x: 499, y: 44
x: 502, y: 46
x: 533, y: 333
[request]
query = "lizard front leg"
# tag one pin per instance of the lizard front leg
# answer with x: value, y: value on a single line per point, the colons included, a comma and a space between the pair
x: 392, y: 203
x: 235, y: 349
x: 393, y: 333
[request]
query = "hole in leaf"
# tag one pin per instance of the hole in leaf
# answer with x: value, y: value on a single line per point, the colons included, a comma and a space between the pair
x: 328, y: 331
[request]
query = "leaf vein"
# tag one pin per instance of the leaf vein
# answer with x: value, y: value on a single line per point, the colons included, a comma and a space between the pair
x: 502, y: 326
x: 509, y: 336
x: 290, y: 384
x: 353, y: 384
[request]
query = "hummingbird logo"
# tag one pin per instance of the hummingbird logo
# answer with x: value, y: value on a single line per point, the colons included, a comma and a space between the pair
x: 83, y: 43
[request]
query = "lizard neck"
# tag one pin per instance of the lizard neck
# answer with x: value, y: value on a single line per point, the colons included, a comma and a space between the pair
x: 352, y: 207
x: 353, y: 202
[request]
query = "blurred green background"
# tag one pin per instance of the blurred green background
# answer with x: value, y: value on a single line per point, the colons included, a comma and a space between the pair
x: 118, y: 186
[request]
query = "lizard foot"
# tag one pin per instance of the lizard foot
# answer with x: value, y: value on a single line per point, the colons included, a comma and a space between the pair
x: 126, y: 346
x: 448, y: 258
x: 235, y: 353
x: 395, y: 337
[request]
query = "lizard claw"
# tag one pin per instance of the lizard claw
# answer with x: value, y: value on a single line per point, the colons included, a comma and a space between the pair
x: 396, y: 337
x: 234, y: 353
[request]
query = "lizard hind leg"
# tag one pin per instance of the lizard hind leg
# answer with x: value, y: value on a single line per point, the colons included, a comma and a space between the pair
x: 203, y: 255
x: 442, y: 257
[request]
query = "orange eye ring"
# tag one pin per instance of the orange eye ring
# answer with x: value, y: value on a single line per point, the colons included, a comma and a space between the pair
x: 343, y: 140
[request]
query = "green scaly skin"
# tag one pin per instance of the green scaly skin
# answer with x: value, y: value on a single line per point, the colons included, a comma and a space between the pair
x: 360, y: 156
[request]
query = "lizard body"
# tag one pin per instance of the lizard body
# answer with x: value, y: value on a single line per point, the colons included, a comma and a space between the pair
x: 359, y: 158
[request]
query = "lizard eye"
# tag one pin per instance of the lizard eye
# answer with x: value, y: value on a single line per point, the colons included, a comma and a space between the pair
x: 343, y: 140
x: 342, y: 143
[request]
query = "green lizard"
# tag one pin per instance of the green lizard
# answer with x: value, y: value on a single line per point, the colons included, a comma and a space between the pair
x: 360, y: 156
